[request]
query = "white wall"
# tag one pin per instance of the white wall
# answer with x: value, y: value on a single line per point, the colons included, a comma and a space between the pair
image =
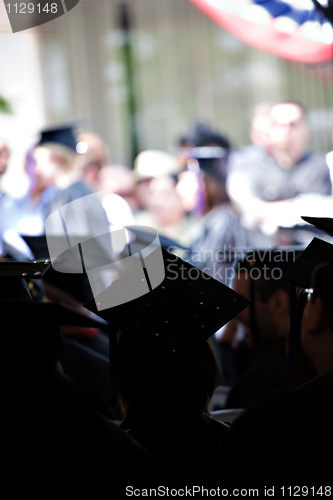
x: 20, y: 84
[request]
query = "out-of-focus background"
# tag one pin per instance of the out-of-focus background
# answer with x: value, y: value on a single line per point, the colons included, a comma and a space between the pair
x: 137, y: 72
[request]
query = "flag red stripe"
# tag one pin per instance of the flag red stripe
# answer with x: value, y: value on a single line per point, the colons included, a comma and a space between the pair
x: 294, y: 47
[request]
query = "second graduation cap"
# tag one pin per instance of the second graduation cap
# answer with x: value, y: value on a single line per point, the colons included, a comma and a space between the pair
x: 63, y: 135
x: 45, y: 315
x: 186, y: 308
x: 17, y: 277
x: 323, y: 223
x: 316, y: 253
x: 75, y: 284
x: 23, y: 269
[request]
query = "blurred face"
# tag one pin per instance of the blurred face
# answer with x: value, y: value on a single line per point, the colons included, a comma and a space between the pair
x: 45, y: 169
x: 142, y: 193
x: 116, y: 179
x: 188, y: 188
x: 263, y: 311
x: 289, y: 130
x: 4, y: 157
x: 259, y: 131
x: 164, y: 201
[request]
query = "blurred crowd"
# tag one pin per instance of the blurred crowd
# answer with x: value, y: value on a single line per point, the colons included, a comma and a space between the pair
x: 253, y: 194
x: 255, y: 223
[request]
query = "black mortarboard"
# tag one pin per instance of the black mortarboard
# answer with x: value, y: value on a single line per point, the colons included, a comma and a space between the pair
x: 60, y: 135
x: 15, y: 269
x: 76, y: 264
x: 187, y: 307
x: 201, y: 134
x: 75, y: 284
x: 300, y: 272
x: 38, y: 245
x: 17, y: 279
x: 45, y: 315
x: 210, y: 160
x: 266, y: 263
x: 323, y: 223
x: 215, y: 168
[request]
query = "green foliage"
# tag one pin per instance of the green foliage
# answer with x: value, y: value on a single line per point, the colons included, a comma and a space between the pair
x: 5, y: 106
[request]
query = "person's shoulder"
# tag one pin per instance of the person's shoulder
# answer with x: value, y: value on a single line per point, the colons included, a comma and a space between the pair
x: 247, y: 152
x: 220, y: 215
x: 282, y: 424
x: 71, y: 193
x: 311, y: 155
x: 318, y: 387
x: 79, y: 188
x: 8, y: 199
x: 240, y: 158
x: 311, y: 158
x: 262, y: 413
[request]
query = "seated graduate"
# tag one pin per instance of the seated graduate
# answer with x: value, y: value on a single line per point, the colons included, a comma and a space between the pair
x: 53, y: 439
x: 291, y: 430
x: 219, y: 227
x: 81, y: 362
x: 260, y: 361
x: 167, y: 369
x: 55, y: 182
x: 61, y: 204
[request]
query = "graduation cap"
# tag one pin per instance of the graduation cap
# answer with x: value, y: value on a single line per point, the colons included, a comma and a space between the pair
x: 38, y: 245
x: 201, y: 134
x: 323, y: 223
x: 45, y: 315
x: 209, y: 160
x: 75, y: 284
x: 17, y: 278
x: 274, y: 260
x: 88, y: 266
x: 300, y: 272
x: 185, y: 309
x: 60, y: 135
x: 15, y: 269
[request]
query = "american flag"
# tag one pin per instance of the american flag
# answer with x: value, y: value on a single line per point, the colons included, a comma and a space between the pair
x: 298, y: 30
